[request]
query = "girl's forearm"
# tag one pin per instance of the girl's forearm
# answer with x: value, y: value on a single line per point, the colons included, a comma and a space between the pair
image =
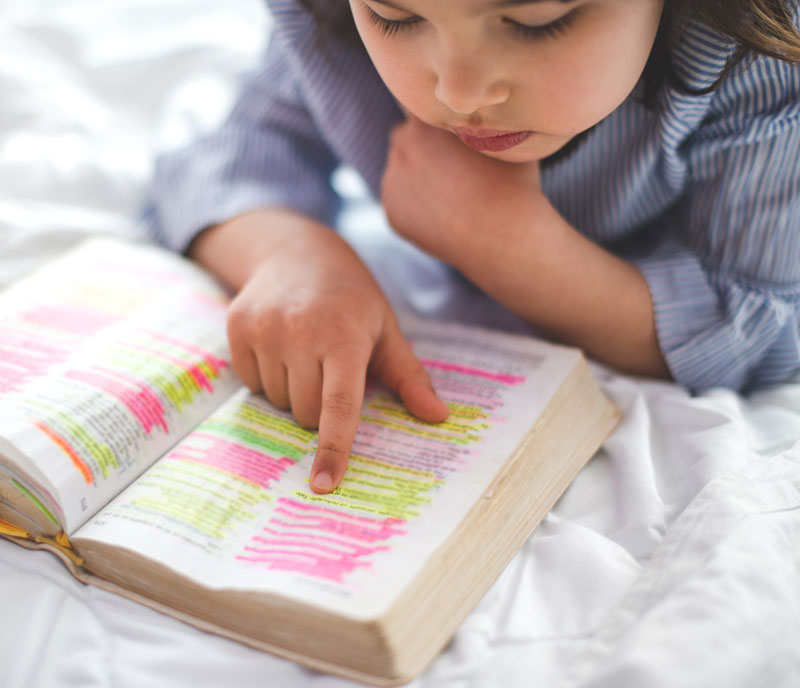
x: 233, y: 250
x: 575, y: 291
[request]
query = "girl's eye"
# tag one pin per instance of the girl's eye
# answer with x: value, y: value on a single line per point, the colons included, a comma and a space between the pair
x: 551, y: 30
x: 389, y: 27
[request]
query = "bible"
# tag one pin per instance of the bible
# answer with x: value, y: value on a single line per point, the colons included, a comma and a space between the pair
x: 129, y: 449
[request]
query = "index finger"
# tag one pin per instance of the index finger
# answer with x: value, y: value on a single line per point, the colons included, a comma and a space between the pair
x: 343, y: 379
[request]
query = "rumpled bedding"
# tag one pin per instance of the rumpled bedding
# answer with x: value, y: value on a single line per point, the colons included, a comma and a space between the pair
x: 672, y: 560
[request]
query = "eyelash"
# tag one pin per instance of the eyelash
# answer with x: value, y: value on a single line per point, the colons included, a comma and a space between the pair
x: 551, y: 30
x: 390, y: 27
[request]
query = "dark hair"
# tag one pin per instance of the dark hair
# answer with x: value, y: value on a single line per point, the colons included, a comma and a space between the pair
x: 755, y: 27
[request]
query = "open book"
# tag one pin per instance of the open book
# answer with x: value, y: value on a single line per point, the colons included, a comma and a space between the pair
x: 129, y: 449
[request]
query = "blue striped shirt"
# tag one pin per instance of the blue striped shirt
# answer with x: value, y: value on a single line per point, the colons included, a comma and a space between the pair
x: 702, y: 195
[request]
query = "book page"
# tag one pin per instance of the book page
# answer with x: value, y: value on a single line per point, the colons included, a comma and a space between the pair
x: 107, y: 357
x: 230, y: 505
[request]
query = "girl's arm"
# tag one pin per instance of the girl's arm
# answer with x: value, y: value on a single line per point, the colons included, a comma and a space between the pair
x: 267, y: 154
x: 491, y: 221
x: 571, y: 289
x: 251, y: 202
x: 667, y: 312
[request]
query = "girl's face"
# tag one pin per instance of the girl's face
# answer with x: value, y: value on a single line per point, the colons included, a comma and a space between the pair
x: 514, y: 79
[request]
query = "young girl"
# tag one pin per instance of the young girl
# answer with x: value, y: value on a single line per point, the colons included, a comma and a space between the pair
x: 623, y: 174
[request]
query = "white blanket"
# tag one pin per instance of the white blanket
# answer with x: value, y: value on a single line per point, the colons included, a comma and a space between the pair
x: 674, y: 558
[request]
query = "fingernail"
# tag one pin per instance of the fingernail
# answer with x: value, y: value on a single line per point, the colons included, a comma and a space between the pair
x: 322, y: 482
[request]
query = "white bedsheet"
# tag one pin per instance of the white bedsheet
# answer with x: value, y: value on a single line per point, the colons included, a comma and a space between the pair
x: 674, y: 558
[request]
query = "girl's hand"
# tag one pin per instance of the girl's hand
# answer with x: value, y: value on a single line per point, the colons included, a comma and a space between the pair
x: 307, y: 323
x: 455, y: 203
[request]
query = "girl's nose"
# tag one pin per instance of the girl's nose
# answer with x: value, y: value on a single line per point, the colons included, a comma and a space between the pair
x: 465, y: 86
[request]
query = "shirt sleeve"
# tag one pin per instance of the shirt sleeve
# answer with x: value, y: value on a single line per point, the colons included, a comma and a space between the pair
x: 269, y: 153
x: 725, y: 275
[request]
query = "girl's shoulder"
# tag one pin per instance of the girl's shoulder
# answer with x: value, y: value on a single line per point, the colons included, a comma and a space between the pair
x: 758, y: 87
x: 288, y: 14
x: 307, y: 30
x: 700, y: 54
x: 280, y: 6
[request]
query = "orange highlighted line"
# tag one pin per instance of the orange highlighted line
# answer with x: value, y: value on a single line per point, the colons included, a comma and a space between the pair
x: 80, y: 464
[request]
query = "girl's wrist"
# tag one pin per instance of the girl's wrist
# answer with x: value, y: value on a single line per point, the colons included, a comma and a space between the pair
x: 234, y: 250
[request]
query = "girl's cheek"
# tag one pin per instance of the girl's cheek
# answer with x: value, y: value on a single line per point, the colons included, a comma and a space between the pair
x: 409, y: 85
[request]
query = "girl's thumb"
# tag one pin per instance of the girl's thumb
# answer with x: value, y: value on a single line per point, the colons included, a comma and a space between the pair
x: 401, y: 371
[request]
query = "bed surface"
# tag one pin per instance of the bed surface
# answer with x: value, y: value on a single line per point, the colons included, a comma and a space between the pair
x: 672, y: 560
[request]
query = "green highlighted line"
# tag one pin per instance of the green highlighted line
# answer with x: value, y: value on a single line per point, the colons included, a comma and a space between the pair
x: 31, y: 496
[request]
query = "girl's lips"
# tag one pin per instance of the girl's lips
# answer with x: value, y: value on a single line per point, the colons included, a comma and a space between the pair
x: 492, y: 141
